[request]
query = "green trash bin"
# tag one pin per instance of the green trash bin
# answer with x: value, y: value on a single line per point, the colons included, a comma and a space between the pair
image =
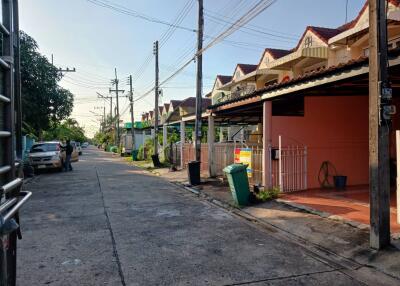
x: 238, y: 183
x: 135, y: 155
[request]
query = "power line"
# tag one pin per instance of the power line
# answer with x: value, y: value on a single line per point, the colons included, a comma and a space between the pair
x: 164, y: 38
x: 247, y: 17
x: 129, y: 12
x: 256, y: 27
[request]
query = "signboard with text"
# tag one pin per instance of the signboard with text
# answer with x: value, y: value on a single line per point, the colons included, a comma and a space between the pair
x: 243, y: 156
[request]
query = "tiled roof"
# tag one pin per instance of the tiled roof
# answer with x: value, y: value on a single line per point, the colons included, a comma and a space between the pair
x: 175, y: 103
x: 191, y: 102
x: 322, y: 72
x: 352, y: 23
x: 275, y: 53
x: 166, y: 106
x: 224, y: 78
x: 188, y: 102
x: 246, y: 68
x: 323, y: 33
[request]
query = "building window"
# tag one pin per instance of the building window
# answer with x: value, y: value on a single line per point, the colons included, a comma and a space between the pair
x: 266, y: 60
x: 308, y: 42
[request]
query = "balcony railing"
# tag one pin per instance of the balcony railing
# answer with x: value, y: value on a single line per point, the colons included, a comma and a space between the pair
x: 237, y: 93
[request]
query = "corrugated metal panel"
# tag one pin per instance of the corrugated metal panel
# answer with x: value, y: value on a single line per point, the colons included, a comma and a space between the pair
x: 316, y: 52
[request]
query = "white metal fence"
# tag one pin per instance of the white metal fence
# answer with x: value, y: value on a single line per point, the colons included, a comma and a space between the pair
x: 288, y: 167
x: 288, y: 164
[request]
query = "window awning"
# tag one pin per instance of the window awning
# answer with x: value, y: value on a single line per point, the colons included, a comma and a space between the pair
x: 286, y: 62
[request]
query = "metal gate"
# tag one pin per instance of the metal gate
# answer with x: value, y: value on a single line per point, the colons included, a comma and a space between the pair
x: 11, y: 196
x: 288, y: 167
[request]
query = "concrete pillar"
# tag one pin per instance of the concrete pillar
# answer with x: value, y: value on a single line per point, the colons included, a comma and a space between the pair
x: 165, y: 137
x: 211, y: 147
x: 183, y: 141
x: 267, y: 141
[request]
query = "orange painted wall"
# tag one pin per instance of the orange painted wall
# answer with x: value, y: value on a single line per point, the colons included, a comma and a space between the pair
x: 334, y: 129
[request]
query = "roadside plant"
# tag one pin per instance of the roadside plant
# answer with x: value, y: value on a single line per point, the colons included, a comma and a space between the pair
x: 269, y: 194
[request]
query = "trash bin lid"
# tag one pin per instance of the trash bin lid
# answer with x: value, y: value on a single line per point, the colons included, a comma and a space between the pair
x: 234, y: 168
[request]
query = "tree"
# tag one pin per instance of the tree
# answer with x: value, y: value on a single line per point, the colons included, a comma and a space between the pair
x: 44, y: 102
x: 68, y: 129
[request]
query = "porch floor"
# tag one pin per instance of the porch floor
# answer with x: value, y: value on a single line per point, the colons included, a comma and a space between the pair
x: 351, y: 204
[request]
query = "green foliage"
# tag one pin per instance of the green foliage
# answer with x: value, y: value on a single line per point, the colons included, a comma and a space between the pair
x: 265, y: 195
x: 149, y: 146
x: 141, y: 153
x: 68, y: 129
x: 44, y: 102
x: 173, y: 137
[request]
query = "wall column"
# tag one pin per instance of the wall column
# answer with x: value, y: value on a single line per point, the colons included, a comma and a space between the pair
x: 211, y: 147
x: 165, y: 137
x: 267, y: 141
x: 183, y: 135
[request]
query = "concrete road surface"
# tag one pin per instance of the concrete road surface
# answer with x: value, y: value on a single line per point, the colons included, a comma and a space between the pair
x: 108, y: 223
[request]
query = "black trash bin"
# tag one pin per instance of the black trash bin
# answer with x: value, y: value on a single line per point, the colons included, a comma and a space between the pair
x: 194, y: 173
x: 156, y: 160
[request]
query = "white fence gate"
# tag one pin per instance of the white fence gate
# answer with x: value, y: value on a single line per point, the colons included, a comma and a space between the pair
x: 288, y: 167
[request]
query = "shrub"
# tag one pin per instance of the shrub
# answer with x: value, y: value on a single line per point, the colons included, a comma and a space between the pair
x: 269, y: 194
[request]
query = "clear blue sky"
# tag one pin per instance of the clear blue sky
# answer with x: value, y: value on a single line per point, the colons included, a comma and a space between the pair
x: 95, y: 40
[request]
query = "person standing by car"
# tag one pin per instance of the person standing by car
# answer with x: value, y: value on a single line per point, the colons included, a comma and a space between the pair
x: 68, y: 152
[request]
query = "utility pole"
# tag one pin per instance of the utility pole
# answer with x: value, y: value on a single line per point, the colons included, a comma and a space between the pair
x: 132, y: 116
x: 62, y: 70
x: 156, y: 94
x: 380, y: 111
x: 199, y: 82
x: 104, y: 116
x: 99, y: 95
x: 116, y: 90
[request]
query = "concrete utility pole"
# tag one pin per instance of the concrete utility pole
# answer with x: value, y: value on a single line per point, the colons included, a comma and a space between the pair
x: 103, y: 124
x: 156, y: 94
x: 61, y: 70
x: 379, y: 126
x: 199, y: 82
x: 116, y: 90
x: 132, y: 116
x: 99, y: 95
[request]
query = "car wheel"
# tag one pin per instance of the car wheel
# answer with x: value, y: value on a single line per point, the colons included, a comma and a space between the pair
x: 80, y: 153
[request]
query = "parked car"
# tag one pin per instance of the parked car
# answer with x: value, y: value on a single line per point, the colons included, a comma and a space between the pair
x: 75, y: 152
x: 85, y: 144
x: 49, y: 155
x: 46, y: 155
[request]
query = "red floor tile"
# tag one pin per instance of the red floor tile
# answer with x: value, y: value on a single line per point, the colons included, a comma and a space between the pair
x: 352, y: 203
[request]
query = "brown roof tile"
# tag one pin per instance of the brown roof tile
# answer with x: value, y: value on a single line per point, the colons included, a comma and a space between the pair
x: 224, y: 79
x: 246, y: 68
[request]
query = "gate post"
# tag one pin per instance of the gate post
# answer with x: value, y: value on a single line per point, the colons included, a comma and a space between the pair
x: 211, y: 147
x: 182, y: 131
x: 165, y: 137
x: 267, y: 142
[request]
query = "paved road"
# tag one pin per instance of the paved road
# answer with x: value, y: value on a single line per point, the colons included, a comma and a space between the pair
x: 107, y: 223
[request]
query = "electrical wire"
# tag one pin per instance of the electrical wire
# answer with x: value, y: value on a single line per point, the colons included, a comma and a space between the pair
x: 129, y: 12
x: 247, y: 17
x: 163, y: 39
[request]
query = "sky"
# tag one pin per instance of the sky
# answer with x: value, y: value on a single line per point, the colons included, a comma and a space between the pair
x: 95, y: 40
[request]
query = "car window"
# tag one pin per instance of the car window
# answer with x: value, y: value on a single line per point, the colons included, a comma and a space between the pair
x: 45, y: 147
